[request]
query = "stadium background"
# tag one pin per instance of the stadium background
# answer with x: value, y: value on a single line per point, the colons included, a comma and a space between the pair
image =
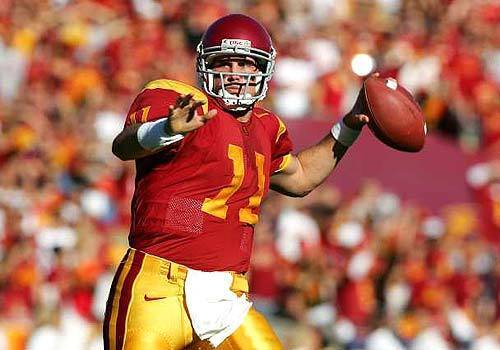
x: 396, y: 251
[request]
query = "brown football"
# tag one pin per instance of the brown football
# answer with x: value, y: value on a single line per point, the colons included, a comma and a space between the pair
x: 395, y: 117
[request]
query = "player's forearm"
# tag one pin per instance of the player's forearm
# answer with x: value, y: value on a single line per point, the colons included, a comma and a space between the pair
x: 312, y: 165
x: 141, y: 140
x: 318, y: 161
x: 127, y: 147
x: 309, y: 168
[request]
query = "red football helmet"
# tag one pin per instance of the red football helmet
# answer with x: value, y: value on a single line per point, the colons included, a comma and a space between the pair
x: 236, y: 34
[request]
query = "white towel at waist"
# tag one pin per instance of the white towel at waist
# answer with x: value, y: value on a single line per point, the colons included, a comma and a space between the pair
x: 215, y: 311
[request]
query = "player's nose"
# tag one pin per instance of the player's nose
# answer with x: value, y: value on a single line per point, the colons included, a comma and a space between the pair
x: 233, y: 78
x: 236, y: 69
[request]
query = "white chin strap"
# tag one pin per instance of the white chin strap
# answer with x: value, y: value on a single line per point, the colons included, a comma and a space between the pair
x: 235, y: 102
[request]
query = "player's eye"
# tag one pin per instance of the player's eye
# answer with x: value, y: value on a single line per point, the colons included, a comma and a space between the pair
x: 248, y: 64
x: 242, y: 64
x: 222, y: 64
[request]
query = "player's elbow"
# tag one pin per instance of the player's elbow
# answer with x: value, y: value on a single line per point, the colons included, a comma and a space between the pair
x: 303, y: 186
x: 298, y: 193
x: 303, y: 192
x: 292, y: 191
x: 293, y: 185
x: 118, y: 150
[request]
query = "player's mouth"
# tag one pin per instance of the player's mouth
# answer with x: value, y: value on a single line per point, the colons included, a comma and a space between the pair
x: 234, y: 89
x: 237, y: 89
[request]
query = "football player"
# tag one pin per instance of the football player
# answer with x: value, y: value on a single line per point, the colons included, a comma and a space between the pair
x: 205, y: 158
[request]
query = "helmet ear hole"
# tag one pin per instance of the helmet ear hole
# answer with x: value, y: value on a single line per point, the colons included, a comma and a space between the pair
x: 261, y: 65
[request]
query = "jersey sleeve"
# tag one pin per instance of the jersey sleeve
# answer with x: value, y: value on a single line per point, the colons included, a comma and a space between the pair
x: 149, y: 105
x: 154, y: 100
x: 282, y: 151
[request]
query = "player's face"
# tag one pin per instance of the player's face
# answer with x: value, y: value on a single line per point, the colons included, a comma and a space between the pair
x: 235, y: 83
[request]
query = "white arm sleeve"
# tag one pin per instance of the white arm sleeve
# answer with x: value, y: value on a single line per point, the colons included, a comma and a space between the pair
x: 152, y: 135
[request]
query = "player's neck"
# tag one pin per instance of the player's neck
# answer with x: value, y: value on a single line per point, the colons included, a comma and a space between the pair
x: 245, y: 117
x: 242, y: 116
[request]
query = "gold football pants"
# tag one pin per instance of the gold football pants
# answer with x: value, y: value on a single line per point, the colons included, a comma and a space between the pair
x: 146, y: 309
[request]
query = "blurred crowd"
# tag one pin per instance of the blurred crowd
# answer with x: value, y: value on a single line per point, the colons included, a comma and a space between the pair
x: 371, y: 271
x: 352, y: 271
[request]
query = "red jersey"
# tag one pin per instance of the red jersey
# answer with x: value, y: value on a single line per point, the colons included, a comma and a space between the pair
x: 196, y: 202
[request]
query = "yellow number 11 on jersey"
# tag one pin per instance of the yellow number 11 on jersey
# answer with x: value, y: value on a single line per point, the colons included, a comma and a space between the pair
x: 217, y: 206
